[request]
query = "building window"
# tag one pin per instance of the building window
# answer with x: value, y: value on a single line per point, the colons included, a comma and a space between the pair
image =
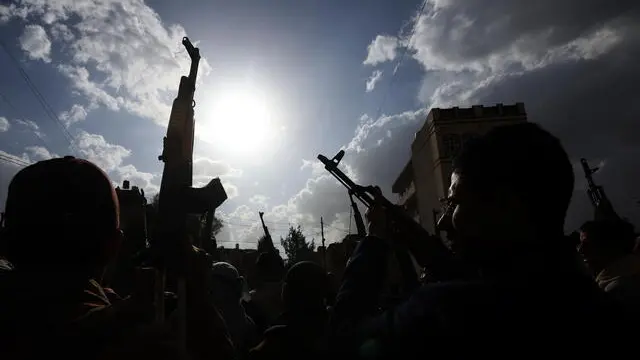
x: 451, y: 144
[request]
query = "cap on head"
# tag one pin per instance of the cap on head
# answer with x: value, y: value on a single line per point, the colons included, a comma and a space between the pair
x: 227, y: 275
x: 59, y: 210
x: 225, y: 271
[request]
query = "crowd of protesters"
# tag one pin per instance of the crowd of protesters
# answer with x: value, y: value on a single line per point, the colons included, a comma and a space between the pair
x: 531, y: 289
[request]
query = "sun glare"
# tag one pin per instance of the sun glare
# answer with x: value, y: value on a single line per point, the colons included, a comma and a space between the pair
x: 238, y: 120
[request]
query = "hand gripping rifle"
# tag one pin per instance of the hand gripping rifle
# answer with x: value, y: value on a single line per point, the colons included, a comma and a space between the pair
x: 177, y: 198
x: 428, y: 250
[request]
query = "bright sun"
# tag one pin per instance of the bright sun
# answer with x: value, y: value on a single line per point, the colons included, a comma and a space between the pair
x: 239, y: 121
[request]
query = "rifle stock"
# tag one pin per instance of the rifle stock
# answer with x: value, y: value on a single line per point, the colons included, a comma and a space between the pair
x: 177, y: 197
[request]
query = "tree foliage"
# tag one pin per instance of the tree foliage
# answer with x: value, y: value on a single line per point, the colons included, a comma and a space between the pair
x: 296, y: 246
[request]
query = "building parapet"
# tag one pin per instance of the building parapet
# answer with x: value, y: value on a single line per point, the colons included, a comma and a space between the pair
x: 477, y: 112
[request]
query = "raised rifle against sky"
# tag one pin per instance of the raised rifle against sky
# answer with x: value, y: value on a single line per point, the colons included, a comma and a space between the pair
x: 178, y: 198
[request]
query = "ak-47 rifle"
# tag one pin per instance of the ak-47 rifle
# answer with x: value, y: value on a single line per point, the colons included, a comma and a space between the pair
x: 428, y: 250
x: 177, y: 198
x: 264, y: 227
x: 267, y: 245
x: 601, y: 204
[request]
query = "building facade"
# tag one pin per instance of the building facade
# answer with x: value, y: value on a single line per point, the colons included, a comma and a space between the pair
x: 427, y: 176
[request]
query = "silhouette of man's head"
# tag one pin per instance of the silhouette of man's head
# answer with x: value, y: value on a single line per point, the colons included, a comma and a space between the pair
x: 269, y: 267
x: 510, y: 187
x: 228, y: 279
x: 305, y: 287
x: 61, y: 214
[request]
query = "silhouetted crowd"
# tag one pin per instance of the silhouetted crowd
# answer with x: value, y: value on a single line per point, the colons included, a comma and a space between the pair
x: 523, y: 287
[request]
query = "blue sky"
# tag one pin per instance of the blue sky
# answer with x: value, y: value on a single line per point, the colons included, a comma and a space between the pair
x: 312, y: 77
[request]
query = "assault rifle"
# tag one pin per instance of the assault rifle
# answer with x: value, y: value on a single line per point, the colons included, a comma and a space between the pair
x: 266, y: 244
x: 177, y: 198
x: 601, y: 204
x: 429, y: 251
x: 264, y: 227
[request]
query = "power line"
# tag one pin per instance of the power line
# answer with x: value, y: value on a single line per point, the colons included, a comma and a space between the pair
x: 41, y: 99
x: 276, y: 228
x: 6, y: 100
x: 13, y: 160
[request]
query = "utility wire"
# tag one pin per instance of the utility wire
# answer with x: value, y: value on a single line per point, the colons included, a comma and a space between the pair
x: 6, y: 100
x: 42, y: 100
x: 13, y: 160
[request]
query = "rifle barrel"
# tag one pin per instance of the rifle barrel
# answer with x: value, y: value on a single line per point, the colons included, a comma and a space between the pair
x: 357, y: 190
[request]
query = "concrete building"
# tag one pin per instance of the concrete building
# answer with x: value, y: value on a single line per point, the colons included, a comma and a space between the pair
x: 426, y: 177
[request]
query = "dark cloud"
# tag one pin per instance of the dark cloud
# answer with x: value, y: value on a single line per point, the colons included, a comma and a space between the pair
x: 592, y: 107
x: 463, y: 31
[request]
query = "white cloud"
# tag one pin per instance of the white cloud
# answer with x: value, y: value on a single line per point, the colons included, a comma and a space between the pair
x: 230, y: 189
x: 94, y: 92
x: 123, y: 43
x: 110, y: 158
x: 76, y: 114
x: 463, y: 50
x: 259, y: 200
x: 316, y: 167
x: 368, y: 125
x: 35, y: 42
x: 96, y: 149
x: 4, y: 124
x: 38, y: 153
x: 206, y: 167
x: 382, y: 48
x: 62, y: 32
x: 322, y: 196
x: 142, y: 180
x: 31, y: 126
x: 373, y: 80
